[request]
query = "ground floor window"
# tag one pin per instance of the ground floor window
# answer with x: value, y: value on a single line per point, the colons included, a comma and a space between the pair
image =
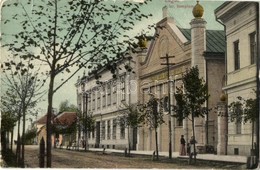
x: 108, y: 129
x: 122, y: 129
x: 114, y: 129
x: 103, y: 130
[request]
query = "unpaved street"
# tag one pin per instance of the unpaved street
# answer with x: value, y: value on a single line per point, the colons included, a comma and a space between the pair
x: 62, y: 158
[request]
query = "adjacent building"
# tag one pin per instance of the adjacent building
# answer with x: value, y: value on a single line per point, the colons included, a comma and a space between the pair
x: 241, y: 21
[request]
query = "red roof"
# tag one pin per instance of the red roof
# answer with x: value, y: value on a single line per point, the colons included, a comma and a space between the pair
x: 43, y: 119
x: 66, y: 118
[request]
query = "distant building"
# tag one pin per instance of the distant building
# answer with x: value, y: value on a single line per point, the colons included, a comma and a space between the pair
x: 240, y: 20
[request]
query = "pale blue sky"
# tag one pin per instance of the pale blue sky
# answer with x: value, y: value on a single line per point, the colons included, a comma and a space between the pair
x: 181, y: 11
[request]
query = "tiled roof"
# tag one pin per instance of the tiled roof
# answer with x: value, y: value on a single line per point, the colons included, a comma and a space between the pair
x: 215, y: 39
x: 43, y: 119
x: 66, y: 118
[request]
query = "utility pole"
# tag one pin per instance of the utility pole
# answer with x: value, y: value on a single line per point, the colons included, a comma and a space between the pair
x: 169, y: 101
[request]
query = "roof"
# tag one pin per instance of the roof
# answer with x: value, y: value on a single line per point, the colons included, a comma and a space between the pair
x: 66, y: 118
x: 43, y: 119
x: 215, y: 39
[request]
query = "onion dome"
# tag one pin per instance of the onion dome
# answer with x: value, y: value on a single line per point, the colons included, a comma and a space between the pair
x: 198, y: 10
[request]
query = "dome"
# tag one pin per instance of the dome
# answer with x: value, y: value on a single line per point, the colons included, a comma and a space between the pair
x: 198, y: 10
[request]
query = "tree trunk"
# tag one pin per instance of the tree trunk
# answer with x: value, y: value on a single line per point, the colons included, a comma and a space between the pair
x: 194, y: 143
x: 129, y: 142
x: 18, y: 148
x: 12, y: 138
x: 49, y: 121
x: 23, y: 138
x: 156, y: 144
x: 253, y: 131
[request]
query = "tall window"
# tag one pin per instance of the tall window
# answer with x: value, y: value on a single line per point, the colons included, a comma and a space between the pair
x: 122, y: 84
x: 122, y: 129
x: 98, y: 99
x: 114, y: 129
x: 114, y: 95
x: 252, y: 38
x: 89, y: 101
x: 236, y: 55
x: 238, y: 127
x: 109, y: 94
x: 104, y: 97
x: 93, y: 100
x: 108, y: 129
x: 103, y: 130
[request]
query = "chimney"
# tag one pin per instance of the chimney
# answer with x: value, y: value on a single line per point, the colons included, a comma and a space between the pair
x: 165, y: 11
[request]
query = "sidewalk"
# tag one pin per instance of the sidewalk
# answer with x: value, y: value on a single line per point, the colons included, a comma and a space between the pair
x: 212, y: 157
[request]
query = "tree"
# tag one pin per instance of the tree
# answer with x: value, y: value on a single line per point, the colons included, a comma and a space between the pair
x: 65, y: 106
x: 190, y: 99
x: 87, y: 122
x: 72, y: 33
x: 23, y: 88
x: 153, y: 115
x: 130, y: 117
x: 243, y: 111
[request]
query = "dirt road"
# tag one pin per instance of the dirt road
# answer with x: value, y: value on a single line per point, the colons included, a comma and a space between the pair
x: 62, y: 158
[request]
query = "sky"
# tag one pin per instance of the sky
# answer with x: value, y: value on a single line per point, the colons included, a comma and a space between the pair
x: 181, y: 11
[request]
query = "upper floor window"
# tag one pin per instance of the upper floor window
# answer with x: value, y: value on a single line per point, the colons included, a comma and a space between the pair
x: 89, y: 102
x: 236, y: 55
x: 98, y: 99
x: 104, y: 97
x: 114, y: 87
x: 109, y: 93
x: 93, y: 100
x: 252, y: 38
x: 122, y: 83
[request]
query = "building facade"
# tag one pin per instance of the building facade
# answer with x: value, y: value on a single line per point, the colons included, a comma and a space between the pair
x: 241, y: 22
x: 105, y: 97
x: 195, y: 46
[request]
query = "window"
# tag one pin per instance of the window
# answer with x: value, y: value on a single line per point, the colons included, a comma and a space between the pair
x: 104, y: 97
x: 114, y: 129
x: 93, y: 100
x: 238, y: 127
x: 89, y: 101
x: 109, y: 94
x: 114, y: 95
x: 103, y: 130
x: 252, y: 38
x: 108, y: 129
x: 122, y: 83
x: 98, y: 99
x: 236, y: 55
x: 122, y: 129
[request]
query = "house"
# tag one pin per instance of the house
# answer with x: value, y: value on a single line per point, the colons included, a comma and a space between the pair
x: 241, y: 21
x: 61, y: 122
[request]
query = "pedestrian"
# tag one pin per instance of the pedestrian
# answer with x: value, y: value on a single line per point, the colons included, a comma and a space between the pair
x: 182, y: 148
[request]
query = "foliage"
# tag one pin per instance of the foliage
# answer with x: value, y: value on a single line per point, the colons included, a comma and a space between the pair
x: 64, y: 34
x: 88, y: 122
x: 65, y: 106
x: 191, y: 96
x: 30, y: 134
x: 243, y: 110
x: 131, y: 115
x: 153, y: 112
x: 8, y: 121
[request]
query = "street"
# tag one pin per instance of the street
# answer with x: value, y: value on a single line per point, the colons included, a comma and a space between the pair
x: 62, y: 158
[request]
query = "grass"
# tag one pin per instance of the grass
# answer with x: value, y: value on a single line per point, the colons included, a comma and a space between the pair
x: 9, y: 159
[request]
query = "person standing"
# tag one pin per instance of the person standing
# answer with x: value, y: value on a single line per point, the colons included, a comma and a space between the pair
x: 182, y: 148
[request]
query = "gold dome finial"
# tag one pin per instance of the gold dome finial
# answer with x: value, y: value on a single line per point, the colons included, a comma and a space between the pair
x: 198, y: 10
